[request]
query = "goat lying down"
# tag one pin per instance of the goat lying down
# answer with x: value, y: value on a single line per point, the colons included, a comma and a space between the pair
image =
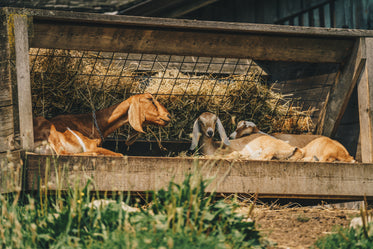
x: 314, y: 147
x: 255, y: 146
x: 82, y: 134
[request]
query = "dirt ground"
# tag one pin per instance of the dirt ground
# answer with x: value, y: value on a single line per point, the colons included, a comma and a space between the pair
x: 299, y: 227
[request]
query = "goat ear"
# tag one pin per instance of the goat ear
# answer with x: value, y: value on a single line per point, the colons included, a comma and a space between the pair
x: 222, y: 134
x: 135, y: 116
x: 195, y: 135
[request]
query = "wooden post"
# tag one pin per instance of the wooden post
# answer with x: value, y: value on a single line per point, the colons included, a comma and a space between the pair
x: 6, y: 107
x: 341, y: 92
x: 23, y: 81
x: 10, y: 156
x: 365, y: 98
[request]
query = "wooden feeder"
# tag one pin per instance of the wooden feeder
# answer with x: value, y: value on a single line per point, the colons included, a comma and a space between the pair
x: 269, y: 45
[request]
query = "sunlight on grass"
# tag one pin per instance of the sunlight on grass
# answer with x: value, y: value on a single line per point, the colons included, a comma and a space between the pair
x: 179, y: 216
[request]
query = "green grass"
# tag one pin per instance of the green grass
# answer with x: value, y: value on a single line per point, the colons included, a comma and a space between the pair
x: 180, y: 216
x: 360, y: 237
x: 347, y: 238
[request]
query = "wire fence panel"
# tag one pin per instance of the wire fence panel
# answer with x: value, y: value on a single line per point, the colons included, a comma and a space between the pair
x: 276, y: 96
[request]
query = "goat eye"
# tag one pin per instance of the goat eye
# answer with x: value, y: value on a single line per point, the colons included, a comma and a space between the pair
x: 152, y: 100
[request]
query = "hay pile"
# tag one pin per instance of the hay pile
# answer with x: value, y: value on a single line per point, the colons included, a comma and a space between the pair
x: 78, y: 82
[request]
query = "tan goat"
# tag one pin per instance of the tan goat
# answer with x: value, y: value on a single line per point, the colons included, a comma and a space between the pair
x: 84, y: 133
x: 204, y: 131
x: 324, y: 149
x: 256, y: 146
x: 314, y: 147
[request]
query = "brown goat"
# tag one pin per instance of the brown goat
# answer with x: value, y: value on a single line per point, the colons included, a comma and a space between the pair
x: 314, y: 147
x: 83, y: 133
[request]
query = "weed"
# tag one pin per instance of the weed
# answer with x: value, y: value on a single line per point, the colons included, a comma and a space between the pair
x: 179, y: 216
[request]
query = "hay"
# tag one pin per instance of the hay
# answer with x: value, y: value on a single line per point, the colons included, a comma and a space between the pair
x: 78, y: 82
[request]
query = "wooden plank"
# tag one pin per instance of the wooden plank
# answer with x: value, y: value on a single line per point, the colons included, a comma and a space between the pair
x: 179, y: 42
x: 6, y: 108
x: 5, y: 85
x: 365, y: 99
x: 266, y: 178
x: 11, y: 172
x: 6, y: 129
x: 340, y: 94
x: 23, y: 82
x: 99, y: 19
x: 169, y: 23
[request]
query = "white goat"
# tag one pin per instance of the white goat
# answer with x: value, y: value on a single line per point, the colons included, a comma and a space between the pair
x: 256, y: 146
x: 314, y: 147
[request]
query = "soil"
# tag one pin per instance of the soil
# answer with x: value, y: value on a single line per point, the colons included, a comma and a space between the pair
x: 299, y: 227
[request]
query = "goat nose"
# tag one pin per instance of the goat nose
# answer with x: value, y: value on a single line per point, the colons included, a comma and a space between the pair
x: 210, y: 133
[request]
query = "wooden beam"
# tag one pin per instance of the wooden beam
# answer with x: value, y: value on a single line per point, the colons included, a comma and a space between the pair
x: 169, y: 23
x: 6, y: 98
x: 6, y: 129
x: 23, y: 81
x: 266, y: 178
x: 365, y: 99
x: 341, y: 92
x: 196, y: 43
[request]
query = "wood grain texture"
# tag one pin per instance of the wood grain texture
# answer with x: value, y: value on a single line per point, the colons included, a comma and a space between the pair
x: 6, y: 129
x: 79, y: 17
x: 6, y: 107
x: 365, y: 100
x: 342, y: 90
x: 266, y: 178
x: 196, y: 43
x: 23, y: 82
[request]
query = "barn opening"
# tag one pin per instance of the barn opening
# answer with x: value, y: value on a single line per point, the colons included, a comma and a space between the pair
x: 278, y: 96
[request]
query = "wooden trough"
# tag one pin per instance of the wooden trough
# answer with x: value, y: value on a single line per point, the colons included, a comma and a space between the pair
x: 21, y: 29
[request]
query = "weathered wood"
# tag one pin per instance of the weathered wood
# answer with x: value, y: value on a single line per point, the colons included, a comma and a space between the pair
x: 23, y: 81
x: 6, y: 129
x: 5, y: 89
x: 11, y: 172
x: 5, y: 86
x: 6, y: 108
x: 266, y: 178
x: 341, y: 92
x: 365, y: 99
x: 168, y: 23
x: 237, y: 45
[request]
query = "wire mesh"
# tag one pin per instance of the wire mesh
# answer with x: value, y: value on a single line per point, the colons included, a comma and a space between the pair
x: 69, y: 81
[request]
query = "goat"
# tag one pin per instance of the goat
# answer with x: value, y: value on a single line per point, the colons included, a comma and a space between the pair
x: 264, y: 147
x: 83, y: 133
x: 204, y: 131
x: 314, y: 147
x: 245, y: 128
x: 324, y: 149
x: 256, y: 146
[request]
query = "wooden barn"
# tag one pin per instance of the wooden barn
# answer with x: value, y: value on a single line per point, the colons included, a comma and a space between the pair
x: 319, y: 73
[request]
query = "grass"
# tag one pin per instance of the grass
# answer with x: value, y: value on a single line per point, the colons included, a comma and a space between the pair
x: 353, y: 237
x: 179, y: 216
